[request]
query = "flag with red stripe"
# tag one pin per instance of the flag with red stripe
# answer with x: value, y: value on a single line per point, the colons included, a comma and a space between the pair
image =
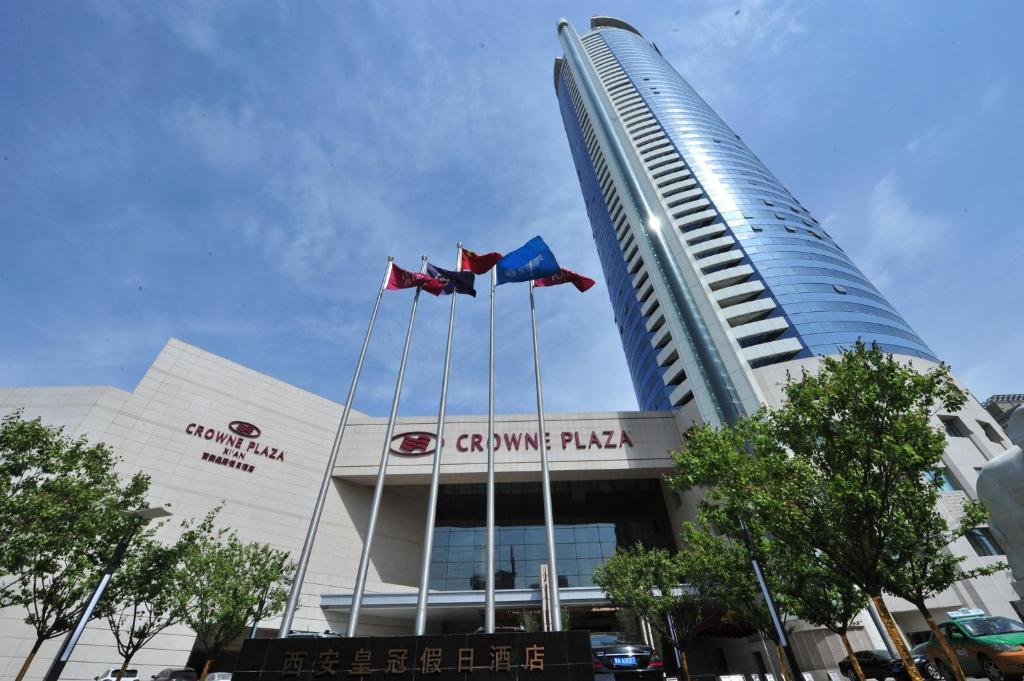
x: 400, y: 278
x: 564, y: 276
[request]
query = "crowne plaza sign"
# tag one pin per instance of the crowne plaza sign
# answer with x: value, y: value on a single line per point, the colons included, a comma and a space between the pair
x: 238, y: 441
x: 422, y: 443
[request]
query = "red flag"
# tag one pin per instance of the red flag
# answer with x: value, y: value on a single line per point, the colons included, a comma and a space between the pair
x: 400, y: 278
x: 478, y: 264
x: 565, y: 276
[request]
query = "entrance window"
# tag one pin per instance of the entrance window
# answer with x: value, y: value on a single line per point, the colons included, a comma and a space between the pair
x: 591, y: 519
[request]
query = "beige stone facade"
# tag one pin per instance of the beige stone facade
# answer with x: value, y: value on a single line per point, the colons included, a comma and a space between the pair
x: 176, y: 426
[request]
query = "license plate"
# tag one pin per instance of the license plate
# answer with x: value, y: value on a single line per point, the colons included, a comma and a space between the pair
x: 624, y: 661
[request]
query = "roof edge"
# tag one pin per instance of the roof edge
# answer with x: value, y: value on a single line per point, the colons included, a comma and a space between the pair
x: 601, y: 21
x: 559, y: 62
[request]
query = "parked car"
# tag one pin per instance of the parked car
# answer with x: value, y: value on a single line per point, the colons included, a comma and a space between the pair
x: 876, y: 664
x: 621, y: 657
x: 326, y: 633
x: 218, y: 676
x: 175, y: 674
x: 504, y: 629
x: 923, y: 663
x: 111, y: 674
x: 985, y: 646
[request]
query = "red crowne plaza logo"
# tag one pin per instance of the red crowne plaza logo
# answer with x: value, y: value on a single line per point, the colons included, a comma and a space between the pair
x: 244, y: 429
x: 415, y: 443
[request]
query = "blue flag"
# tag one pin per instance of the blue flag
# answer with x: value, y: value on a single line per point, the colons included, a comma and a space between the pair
x: 533, y: 260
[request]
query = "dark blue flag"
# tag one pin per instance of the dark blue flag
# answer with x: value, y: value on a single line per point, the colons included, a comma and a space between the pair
x: 454, y: 282
x: 533, y: 260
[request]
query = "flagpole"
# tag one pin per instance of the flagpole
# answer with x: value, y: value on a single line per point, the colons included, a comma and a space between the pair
x: 489, y: 611
x: 378, y: 490
x: 428, y: 535
x: 549, y: 523
x: 325, y: 483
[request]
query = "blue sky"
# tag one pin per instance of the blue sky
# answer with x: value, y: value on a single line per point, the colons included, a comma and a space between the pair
x: 234, y: 174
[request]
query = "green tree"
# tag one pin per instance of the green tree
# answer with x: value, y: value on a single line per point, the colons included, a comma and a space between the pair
x: 802, y: 584
x: 61, y: 506
x: 932, y: 568
x: 144, y: 595
x: 843, y: 471
x: 729, y: 549
x: 815, y: 594
x: 231, y: 584
x: 709, y: 575
x: 649, y: 582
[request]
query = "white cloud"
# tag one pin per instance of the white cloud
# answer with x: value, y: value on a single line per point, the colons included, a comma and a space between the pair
x: 891, y: 234
x: 994, y: 96
x: 709, y: 45
x: 924, y: 139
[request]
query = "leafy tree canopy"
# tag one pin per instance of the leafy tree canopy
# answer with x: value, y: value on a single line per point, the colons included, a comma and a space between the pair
x: 62, y: 509
x: 233, y: 583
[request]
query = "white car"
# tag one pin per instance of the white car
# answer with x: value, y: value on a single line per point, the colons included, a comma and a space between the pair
x: 218, y: 676
x: 111, y: 675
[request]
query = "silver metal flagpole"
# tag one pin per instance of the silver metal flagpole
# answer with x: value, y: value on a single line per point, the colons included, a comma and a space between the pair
x: 325, y: 484
x: 549, y: 522
x: 489, y: 616
x: 435, y: 476
x: 378, y: 490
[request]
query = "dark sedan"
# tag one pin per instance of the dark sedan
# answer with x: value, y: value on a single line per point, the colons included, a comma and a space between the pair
x: 876, y: 664
x: 923, y: 664
x: 620, y: 657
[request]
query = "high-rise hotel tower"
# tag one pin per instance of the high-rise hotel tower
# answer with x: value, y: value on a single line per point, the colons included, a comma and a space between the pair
x: 722, y: 282
x: 713, y: 267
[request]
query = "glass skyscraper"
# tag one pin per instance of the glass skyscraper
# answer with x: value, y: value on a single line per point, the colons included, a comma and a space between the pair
x: 714, y: 269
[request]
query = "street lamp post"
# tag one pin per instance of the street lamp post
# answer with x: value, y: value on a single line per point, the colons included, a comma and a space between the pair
x: 142, y: 516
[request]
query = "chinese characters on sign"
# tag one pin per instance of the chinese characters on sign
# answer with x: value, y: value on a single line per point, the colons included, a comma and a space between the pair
x: 476, y: 657
x: 230, y: 463
x: 327, y: 663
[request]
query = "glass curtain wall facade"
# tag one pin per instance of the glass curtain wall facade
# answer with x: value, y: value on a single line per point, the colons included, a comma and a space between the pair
x: 593, y: 518
x: 767, y: 282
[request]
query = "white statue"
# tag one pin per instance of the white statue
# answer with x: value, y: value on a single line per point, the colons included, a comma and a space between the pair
x: 1001, y: 487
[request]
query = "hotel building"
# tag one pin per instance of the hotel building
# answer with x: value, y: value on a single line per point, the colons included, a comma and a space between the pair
x: 721, y: 282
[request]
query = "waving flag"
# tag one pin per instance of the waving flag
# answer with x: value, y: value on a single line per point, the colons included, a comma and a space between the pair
x: 564, y: 276
x: 533, y: 260
x: 400, y: 278
x: 477, y: 263
x: 453, y: 282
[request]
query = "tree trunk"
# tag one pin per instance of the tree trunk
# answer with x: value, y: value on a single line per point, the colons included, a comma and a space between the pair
x: 897, y: 638
x: 783, y: 663
x: 851, y: 657
x: 686, y: 664
x: 206, y: 669
x: 124, y: 667
x: 947, y: 650
x: 28, y: 660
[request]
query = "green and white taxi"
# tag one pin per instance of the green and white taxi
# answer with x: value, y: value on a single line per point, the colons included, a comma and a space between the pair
x: 985, y: 645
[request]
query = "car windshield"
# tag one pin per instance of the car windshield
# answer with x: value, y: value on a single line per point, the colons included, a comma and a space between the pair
x: 869, y: 654
x: 610, y: 639
x: 990, y: 626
